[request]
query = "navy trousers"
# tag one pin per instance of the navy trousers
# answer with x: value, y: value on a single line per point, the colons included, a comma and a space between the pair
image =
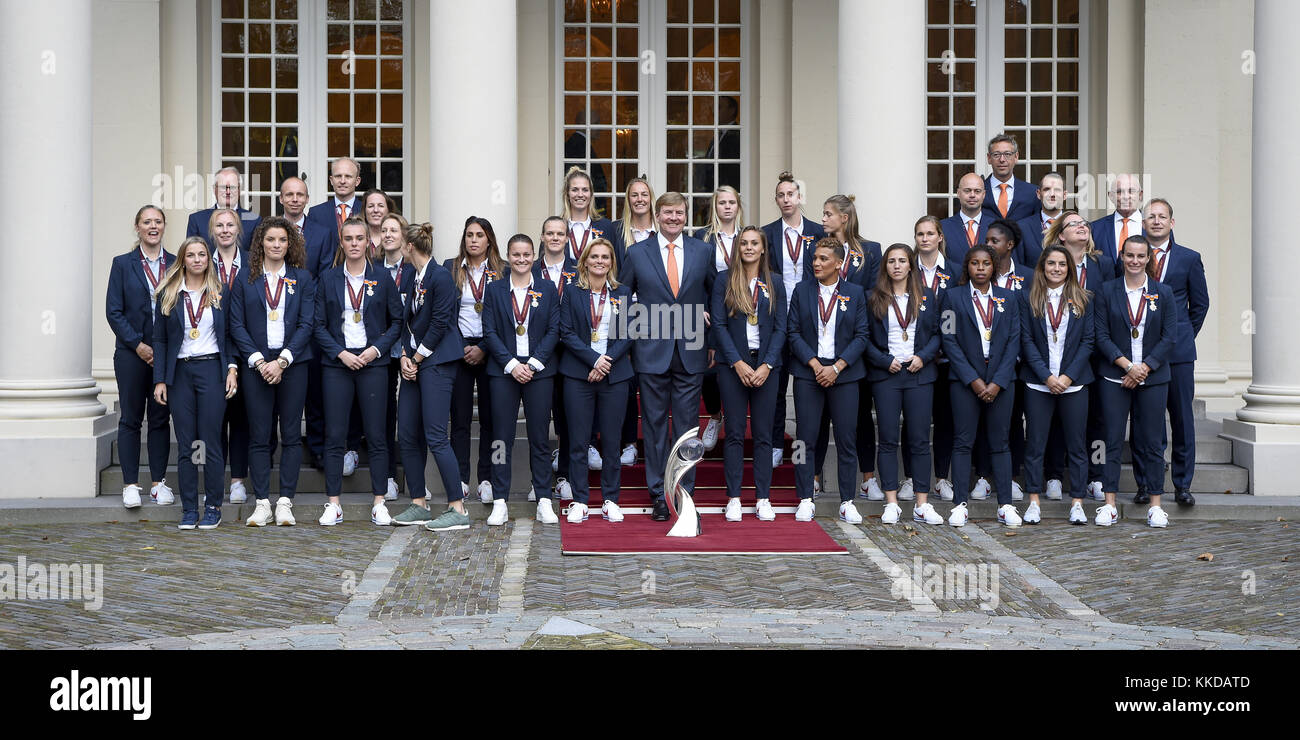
x: 866, y: 429
x: 782, y: 389
x: 390, y: 421
x: 423, y: 408
x: 315, y: 414
x: 561, y: 418
x: 1146, y: 405
x: 286, y: 399
x: 536, y: 395
x: 134, y: 395
x: 345, y: 390
x: 1015, y: 439
x: 1067, y: 414
x: 631, y: 413
x: 840, y: 403
x: 1182, y: 422
x: 970, y: 416
x: 757, y: 406
x: 711, y: 392
x: 462, y: 416
x: 234, y: 434
x: 678, y: 391
x: 581, y: 400
x: 197, y: 397
x: 901, y: 394
x: 941, y: 414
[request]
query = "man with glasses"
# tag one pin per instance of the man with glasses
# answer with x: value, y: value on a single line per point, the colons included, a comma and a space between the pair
x: 1051, y: 191
x: 1125, y: 221
x: 1005, y: 195
x: 226, y: 188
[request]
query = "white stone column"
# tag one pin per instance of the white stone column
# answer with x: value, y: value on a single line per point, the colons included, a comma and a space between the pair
x: 1266, y: 433
x: 52, y: 427
x: 882, y: 114
x: 474, y: 163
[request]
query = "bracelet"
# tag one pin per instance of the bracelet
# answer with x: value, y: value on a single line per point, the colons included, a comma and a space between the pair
x: 836, y: 369
x: 258, y: 365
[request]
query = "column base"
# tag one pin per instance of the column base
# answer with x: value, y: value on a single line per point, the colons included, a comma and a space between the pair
x: 1213, y: 386
x: 60, y: 458
x: 1269, y: 452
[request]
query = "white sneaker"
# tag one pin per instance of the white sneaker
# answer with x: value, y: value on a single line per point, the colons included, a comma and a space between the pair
x: 817, y: 489
x: 333, y: 514
x: 849, y: 513
x: 629, y: 455
x: 1032, y: 513
x: 391, y: 493
x: 162, y: 495
x: 379, y: 515
x: 1094, y: 489
x: 1077, y: 515
x: 238, y: 494
x: 1156, y: 517
x: 806, y: 510
x: 1053, y: 490
x: 944, y: 489
x: 778, y: 456
x: 733, y: 510
x: 958, y: 516
x: 546, y: 514
x: 261, y: 513
x: 710, y: 438
x: 532, y: 494
x: 610, y: 512
x: 764, y: 511
x: 905, y: 492
x: 1007, y: 515
x: 1017, y: 493
x: 350, y: 460
x: 500, y: 513
x: 464, y: 490
x: 577, y: 513
x: 593, y: 459
x: 485, y: 492
x: 892, y: 512
x: 555, y: 461
x: 131, y: 496
x: 1106, y: 515
x: 563, y: 490
x: 981, y: 490
x: 871, y: 490
x: 284, y: 512
x: 926, y: 513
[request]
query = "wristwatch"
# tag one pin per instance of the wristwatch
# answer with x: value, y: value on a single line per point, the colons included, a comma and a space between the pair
x: 283, y: 363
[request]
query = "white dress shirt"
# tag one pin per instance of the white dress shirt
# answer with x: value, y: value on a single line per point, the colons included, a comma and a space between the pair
x: 275, y: 329
x: 901, y: 349
x: 986, y: 304
x: 751, y: 330
x: 791, y: 270
x: 1134, y: 228
x: 997, y: 184
x: 231, y: 269
x: 469, y: 320
x: 350, y: 207
x: 554, y: 273
x: 1134, y: 300
x: 1156, y: 252
x: 1007, y: 279
x: 577, y: 229
x: 354, y: 332
x: 206, y: 344
x: 723, y: 250
x: 1055, y: 349
x: 520, y: 297
x: 679, y: 254
x: 927, y: 273
x: 826, y: 335
x: 639, y: 235
x: 155, y: 267
x: 601, y: 345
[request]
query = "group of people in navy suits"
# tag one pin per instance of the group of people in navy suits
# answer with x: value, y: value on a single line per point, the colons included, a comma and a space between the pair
x: 1005, y: 341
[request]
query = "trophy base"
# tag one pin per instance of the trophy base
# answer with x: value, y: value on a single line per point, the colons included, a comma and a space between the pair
x: 688, y: 520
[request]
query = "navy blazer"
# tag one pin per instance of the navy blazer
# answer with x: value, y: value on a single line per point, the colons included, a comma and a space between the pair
x: 578, y: 357
x: 601, y: 228
x: 127, y: 304
x: 864, y: 273
x: 499, y: 325
x: 568, y: 274
x: 248, y: 315
x: 954, y: 239
x: 730, y: 332
x: 1024, y: 199
x: 703, y: 235
x: 381, y: 313
x: 851, y: 329
x: 317, y: 238
x: 1103, y: 237
x: 1024, y: 282
x: 643, y: 273
x: 430, y: 312
x: 241, y: 273
x: 963, y: 347
x: 1076, y: 355
x: 325, y: 216
x: 615, y: 236
x: 812, y: 233
x: 1185, y: 274
x: 1030, y: 247
x: 926, y: 345
x: 1100, y: 271
x: 198, y: 226
x: 169, y: 333
x: 1114, y: 337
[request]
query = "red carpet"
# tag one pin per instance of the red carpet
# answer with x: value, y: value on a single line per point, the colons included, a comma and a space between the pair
x: 642, y: 535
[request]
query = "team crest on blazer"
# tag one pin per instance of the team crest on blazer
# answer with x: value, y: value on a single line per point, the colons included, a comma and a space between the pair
x: 999, y: 301
x: 290, y: 282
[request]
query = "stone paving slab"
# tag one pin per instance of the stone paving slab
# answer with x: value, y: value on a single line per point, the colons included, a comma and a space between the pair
x: 447, y: 574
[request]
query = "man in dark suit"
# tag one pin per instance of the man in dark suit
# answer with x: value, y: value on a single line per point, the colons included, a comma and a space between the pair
x: 320, y: 251
x: 226, y: 188
x: 1051, y: 191
x: 345, y: 178
x: 672, y: 276
x: 1005, y: 195
x: 1125, y: 221
x: 967, y: 227
x: 1182, y: 270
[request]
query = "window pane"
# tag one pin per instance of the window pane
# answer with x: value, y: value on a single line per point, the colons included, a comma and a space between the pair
x: 678, y: 144
x: 1067, y: 110
x: 702, y: 42
x: 286, y: 38
x: 1014, y: 110
x: 259, y: 38
x: 232, y: 141
x: 703, y: 111
x: 677, y: 109
x: 678, y: 11
x: 729, y: 11
x: 963, y: 107
x: 232, y: 72
x: 602, y: 42
x: 628, y: 11
x: 1040, y: 110
x: 679, y: 42
x: 729, y: 42
x: 937, y: 110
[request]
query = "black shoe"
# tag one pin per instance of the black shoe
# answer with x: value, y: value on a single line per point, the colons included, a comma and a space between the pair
x: 1184, y: 498
x: 1141, y: 497
x: 660, y: 513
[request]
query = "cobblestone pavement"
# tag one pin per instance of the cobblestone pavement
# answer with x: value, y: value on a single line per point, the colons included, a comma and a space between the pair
x: 358, y: 586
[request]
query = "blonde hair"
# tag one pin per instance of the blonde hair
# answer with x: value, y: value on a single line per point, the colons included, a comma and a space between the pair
x: 339, y: 256
x: 627, y: 208
x: 714, y: 223
x: 212, y: 226
x: 170, y: 287
x: 612, y: 279
x: 574, y: 173
x: 852, y: 233
x: 738, y: 298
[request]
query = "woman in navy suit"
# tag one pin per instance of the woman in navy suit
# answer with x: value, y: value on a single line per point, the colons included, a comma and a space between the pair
x: 583, y: 217
x: 392, y: 235
x: 195, y: 373
x: 936, y: 273
x: 554, y: 266
x: 227, y: 237
x: 521, y: 326
x: 129, y: 306
x: 358, y: 319
x: 1057, y: 337
x: 904, y: 343
x: 432, y: 349
x: 597, y: 368
x: 272, y: 312
x: 1136, y: 331
x: 725, y: 217
x: 828, y: 332
x: 749, y: 331
x: 982, y: 350
x: 477, y: 264
x: 638, y: 220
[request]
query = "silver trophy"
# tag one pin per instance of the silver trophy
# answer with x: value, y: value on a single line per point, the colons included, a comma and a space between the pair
x: 686, y: 452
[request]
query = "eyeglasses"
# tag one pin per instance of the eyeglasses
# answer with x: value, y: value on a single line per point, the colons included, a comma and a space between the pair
x: 1076, y: 224
x: 1002, y: 155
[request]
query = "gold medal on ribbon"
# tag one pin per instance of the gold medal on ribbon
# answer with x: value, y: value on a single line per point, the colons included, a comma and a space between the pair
x: 274, y: 316
x: 1135, y: 333
x: 478, y: 307
x: 904, y: 335
x: 521, y: 330
x: 988, y: 335
x: 194, y: 333
x: 595, y: 335
x: 753, y: 319
x: 356, y: 317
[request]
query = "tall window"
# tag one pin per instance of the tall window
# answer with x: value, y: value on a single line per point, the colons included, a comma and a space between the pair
x: 1012, y: 66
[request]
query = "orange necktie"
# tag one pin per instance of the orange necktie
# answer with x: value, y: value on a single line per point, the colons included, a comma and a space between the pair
x: 1002, y: 200
x: 970, y: 232
x: 343, y: 214
x: 1123, y: 237
x: 672, y: 268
